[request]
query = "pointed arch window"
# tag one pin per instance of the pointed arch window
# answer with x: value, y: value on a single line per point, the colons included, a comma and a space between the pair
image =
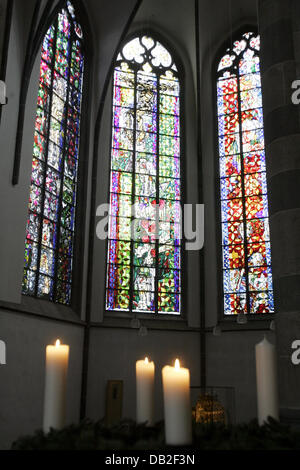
x: 49, y: 249
x: 144, y: 251
x: 247, y: 272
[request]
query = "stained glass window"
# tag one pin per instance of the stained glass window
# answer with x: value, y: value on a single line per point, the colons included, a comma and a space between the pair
x: 247, y: 272
x: 50, y: 229
x: 144, y: 252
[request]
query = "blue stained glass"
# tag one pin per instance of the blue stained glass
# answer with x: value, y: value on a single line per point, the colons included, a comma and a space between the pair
x: 260, y: 279
x: 31, y: 256
x: 145, y: 228
x: 250, y: 65
x: 120, y: 205
x: 117, y: 300
x: 262, y: 302
x: 120, y: 228
x: 234, y: 280
x: 231, y: 187
x: 229, y: 144
x: 257, y: 207
x: 75, y: 99
x: 228, y: 86
x: 169, y: 281
x: 228, y: 123
x: 235, y: 304
x: 52, y: 202
x: 123, y: 139
x: 119, y: 252
x: 45, y: 287
x: 230, y: 166
x: 228, y: 104
x: 254, y: 162
x: 232, y: 233
x: 121, y: 182
x: 243, y: 183
x: 72, y: 144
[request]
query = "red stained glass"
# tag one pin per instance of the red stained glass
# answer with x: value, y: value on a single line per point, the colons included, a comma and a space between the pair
x: 254, y: 163
x: 234, y: 257
x: 243, y: 182
x: 233, y: 210
x: 226, y: 87
x: 235, y: 304
x: 228, y: 104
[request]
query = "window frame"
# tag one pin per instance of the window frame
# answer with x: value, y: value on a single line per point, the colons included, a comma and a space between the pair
x: 130, y: 314
x: 222, y: 317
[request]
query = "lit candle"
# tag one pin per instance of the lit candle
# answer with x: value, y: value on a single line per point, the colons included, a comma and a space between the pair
x: 145, y: 392
x: 266, y: 381
x: 57, y: 359
x: 177, y: 404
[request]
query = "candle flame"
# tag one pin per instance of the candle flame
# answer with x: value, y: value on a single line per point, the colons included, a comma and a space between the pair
x: 177, y: 364
x: 57, y: 344
x: 146, y: 360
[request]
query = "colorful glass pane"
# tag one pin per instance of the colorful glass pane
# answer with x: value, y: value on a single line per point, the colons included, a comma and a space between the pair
x: 247, y: 272
x: 144, y: 250
x: 52, y: 201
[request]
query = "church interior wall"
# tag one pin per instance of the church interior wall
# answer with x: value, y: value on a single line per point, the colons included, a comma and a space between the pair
x: 113, y: 345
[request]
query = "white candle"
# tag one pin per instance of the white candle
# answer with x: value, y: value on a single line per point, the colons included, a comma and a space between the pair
x: 266, y: 381
x: 177, y: 404
x: 145, y: 392
x: 57, y: 359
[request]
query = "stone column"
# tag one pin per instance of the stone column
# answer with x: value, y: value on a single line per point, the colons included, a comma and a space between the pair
x: 279, y: 42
